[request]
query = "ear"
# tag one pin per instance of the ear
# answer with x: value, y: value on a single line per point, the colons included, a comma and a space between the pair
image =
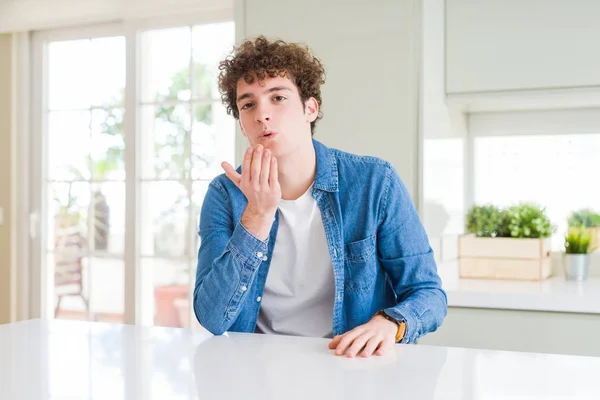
x: 312, y: 109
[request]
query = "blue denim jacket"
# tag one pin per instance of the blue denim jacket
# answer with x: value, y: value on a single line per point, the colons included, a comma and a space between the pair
x: 380, y: 253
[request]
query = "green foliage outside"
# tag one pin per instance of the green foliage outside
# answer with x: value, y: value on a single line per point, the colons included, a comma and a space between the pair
x: 584, y: 217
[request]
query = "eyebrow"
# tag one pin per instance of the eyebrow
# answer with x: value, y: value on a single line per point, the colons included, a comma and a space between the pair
x: 273, y: 89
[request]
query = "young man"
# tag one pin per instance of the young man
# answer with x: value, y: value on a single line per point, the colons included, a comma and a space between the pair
x: 303, y: 239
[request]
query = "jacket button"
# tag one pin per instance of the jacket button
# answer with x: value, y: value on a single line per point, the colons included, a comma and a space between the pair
x: 243, y: 288
x: 258, y: 298
x: 259, y: 254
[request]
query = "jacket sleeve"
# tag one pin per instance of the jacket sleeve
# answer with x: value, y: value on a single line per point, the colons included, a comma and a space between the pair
x: 407, y: 258
x: 228, y: 259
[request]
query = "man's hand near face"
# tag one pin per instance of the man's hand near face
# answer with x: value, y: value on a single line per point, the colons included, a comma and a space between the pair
x: 260, y: 184
x: 375, y: 337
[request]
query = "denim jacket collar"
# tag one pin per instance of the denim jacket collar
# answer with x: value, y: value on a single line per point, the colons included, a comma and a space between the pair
x: 326, y: 177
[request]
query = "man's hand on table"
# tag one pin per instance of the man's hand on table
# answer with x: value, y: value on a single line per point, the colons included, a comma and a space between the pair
x: 375, y: 337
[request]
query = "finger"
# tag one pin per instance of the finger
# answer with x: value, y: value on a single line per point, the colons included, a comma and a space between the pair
x: 384, y: 347
x: 266, y: 168
x: 334, y: 342
x: 246, y: 164
x: 358, y: 344
x: 231, y: 173
x: 371, y: 345
x: 274, y: 174
x: 346, y: 340
x: 256, y: 165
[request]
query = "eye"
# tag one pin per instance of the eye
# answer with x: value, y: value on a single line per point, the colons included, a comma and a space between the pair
x: 278, y: 98
x: 246, y: 106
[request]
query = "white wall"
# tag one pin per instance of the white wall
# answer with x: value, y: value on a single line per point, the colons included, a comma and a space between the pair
x: 444, y: 131
x: 438, y: 120
x: 23, y: 15
x: 371, y: 55
x: 8, y: 77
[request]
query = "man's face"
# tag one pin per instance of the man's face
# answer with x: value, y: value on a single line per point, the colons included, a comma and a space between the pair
x: 272, y: 114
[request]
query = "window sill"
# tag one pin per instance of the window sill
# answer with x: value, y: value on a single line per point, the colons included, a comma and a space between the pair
x: 554, y: 294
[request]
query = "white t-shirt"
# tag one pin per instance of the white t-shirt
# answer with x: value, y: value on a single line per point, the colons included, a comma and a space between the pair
x: 300, y: 287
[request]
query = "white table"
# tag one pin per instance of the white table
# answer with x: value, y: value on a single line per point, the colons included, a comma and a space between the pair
x: 80, y: 360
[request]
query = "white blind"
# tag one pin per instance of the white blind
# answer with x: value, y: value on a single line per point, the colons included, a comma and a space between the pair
x: 543, y: 122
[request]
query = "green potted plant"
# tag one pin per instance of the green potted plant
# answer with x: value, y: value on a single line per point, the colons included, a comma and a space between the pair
x: 590, y: 220
x: 509, y: 243
x: 527, y: 220
x: 484, y: 220
x: 576, y: 258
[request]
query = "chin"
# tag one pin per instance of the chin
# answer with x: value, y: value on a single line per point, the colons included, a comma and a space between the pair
x: 271, y: 145
x: 275, y: 150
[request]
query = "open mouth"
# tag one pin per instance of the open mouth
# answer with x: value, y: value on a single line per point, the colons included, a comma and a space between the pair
x: 268, y: 135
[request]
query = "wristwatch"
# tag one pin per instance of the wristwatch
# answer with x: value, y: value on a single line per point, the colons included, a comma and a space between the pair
x: 401, y: 325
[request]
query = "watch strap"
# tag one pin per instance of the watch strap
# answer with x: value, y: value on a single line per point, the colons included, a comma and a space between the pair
x: 401, y: 325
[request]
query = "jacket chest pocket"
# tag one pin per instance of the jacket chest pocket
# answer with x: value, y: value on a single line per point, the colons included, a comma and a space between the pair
x: 360, y: 263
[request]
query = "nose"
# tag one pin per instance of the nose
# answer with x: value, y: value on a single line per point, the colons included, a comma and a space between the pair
x: 263, y: 113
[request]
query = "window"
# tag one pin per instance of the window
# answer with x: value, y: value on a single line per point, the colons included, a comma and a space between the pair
x: 181, y: 134
x: 548, y: 157
x: 443, y: 185
x: 185, y: 135
x: 443, y: 194
x: 555, y: 171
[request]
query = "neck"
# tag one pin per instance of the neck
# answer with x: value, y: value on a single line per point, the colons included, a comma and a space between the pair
x: 297, y: 172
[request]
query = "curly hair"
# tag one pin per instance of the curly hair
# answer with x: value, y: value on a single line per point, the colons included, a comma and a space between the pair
x: 263, y: 58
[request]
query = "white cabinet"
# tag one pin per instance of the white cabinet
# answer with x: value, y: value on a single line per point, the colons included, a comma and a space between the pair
x: 516, y: 330
x: 522, y: 45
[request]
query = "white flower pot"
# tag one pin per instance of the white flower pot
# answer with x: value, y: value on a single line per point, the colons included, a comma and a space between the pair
x: 576, y: 266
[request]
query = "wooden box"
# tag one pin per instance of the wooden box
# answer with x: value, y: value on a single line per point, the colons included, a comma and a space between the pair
x: 504, y: 258
x: 595, y: 242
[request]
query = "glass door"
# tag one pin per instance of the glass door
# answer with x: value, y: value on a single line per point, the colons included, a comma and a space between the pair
x: 128, y: 132
x: 83, y: 179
